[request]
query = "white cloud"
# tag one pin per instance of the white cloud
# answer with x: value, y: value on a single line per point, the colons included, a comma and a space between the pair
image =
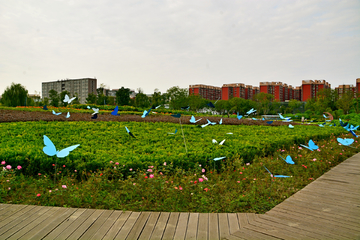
x: 159, y: 44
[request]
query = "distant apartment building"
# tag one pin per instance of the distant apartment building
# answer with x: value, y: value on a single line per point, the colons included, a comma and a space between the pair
x: 358, y: 86
x: 310, y: 88
x: 274, y: 88
x: 81, y: 87
x: 341, y: 89
x: 249, y: 92
x: 233, y: 90
x: 298, y: 93
x: 205, y: 91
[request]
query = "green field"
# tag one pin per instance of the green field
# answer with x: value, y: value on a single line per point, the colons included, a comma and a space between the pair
x: 102, y: 142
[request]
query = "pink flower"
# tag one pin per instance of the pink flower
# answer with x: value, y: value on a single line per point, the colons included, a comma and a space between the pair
x: 206, y: 189
x: 204, y: 177
x: 49, y: 191
x: 180, y: 188
x: 63, y: 165
x: 111, y: 161
x: 149, y: 170
x: 117, y: 163
x: 300, y: 155
x: 248, y: 164
x: 300, y: 148
x: 75, y: 170
x: 130, y: 169
x: 240, y: 172
x: 19, y: 167
x: 161, y: 173
x: 134, y: 184
x: 176, y: 187
x: 238, y: 181
x: 8, y: 167
x: 151, y: 166
x: 63, y: 186
x: 164, y: 163
x: 2, y: 162
x: 314, y: 159
x: 201, y: 180
x: 38, y: 195
x: 151, y: 176
x: 340, y: 153
x: 203, y: 170
x: 318, y: 150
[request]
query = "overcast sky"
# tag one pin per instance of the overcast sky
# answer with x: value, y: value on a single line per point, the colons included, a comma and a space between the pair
x: 164, y: 43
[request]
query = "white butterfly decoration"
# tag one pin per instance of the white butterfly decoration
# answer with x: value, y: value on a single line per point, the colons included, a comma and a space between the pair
x: 192, y: 119
x: 68, y: 115
x: 96, y: 110
x: 55, y: 113
x: 67, y: 99
x: 221, y: 143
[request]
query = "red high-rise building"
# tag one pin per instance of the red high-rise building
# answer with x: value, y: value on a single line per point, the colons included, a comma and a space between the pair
x: 274, y: 88
x: 233, y: 90
x: 310, y: 88
x: 205, y: 91
x: 358, y: 86
x: 341, y: 89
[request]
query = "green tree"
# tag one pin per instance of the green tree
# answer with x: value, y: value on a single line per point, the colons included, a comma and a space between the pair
x: 54, y: 98
x: 326, y: 98
x: 15, y: 95
x: 196, y: 102
x: 91, y: 99
x: 177, y: 97
x: 223, y: 107
x: 157, y: 98
x: 141, y: 100
x: 294, y: 105
x: 345, y: 101
x: 123, y: 96
x: 240, y: 105
x: 263, y: 102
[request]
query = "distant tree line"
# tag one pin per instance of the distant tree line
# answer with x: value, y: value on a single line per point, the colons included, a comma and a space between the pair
x: 327, y: 100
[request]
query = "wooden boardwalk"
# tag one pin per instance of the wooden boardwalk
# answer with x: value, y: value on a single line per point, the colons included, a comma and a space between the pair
x: 328, y: 208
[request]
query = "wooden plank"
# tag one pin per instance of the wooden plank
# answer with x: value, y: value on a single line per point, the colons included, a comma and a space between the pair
x: 128, y: 225
x: 242, y: 218
x: 233, y: 222
x: 150, y: 226
x: 191, y: 231
x: 160, y: 226
x: 171, y: 226
x: 19, y: 223
x: 203, y: 226
x: 60, y: 229
x: 73, y: 223
x: 96, y: 225
x: 86, y: 224
x: 38, y: 223
x: 181, y: 226
x: 109, y: 222
x: 49, y: 225
x: 138, y: 226
x: 5, y: 206
x: 214, y: 226
x: 305, y: 219
x: 298, y: 227
x: 289, y: 208
x: 17, y: 213
x: 117, y: 226
x: 224, y: 229
x: 252, y: 235
x: 320, y: 226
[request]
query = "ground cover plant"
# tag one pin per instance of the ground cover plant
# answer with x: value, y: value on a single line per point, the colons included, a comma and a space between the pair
x: 153, y: 172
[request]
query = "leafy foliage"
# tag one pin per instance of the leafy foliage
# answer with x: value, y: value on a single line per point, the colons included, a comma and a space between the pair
x: 15, y: 95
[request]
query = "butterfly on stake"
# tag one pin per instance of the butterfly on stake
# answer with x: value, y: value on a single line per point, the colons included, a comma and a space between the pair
x: 220, y: 122
x: 353, y: 133
x: 312, y: 146
x: 130, y: 133
x: 94, y: 116
x: 96, y: 111
x: 221, y: 143
x: 173, y: 132
x: 192, y: 119
x: 55, y: 113
x: 280, y: 176
x: 50, y: 149
x: 68, y: 115
x: 45, y: 107
x: 212, y: 123
x: 291, y: 126
x: 239, y: 116
x: 218, y: 158
x: 346, y: 141
x: 288, y: 159
x: 67, y: 99
x: 115, y: 112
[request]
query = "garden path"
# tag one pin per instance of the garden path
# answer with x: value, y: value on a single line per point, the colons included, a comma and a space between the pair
x: 328, y: 208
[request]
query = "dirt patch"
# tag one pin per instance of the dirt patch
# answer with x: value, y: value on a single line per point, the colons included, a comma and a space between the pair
x: 24, y: 116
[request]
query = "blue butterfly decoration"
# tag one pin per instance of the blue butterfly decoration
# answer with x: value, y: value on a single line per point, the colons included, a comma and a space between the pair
x: 146, y: 113
x: 291, y: 126
x: 345, y: 141
x: 254, y: 119
x: 56, y: 113
x: 252, y: 110
x: 68, y: 115
x: 174, y: 132
x: 185, y: 108
x: 45, y: 107
x: 94, y: 116
x: 239, y: 116
x: 212, y: 123
x: 210, y: 104
x: 115, y: 112
x: 269, y: 122
x: 220, y: 122
x: 353, y: 133
x: 282, y: 176
x: 50, y: 149
x: 128, y: 131
x: 312, y: 146
x: 176, y: 115
x: 288, y: 159
x: 192, y: 119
